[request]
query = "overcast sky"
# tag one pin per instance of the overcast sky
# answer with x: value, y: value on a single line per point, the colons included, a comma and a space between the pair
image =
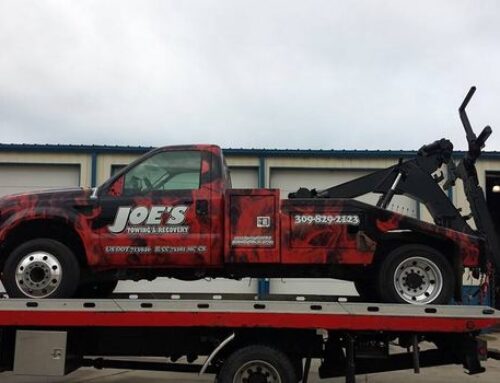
x: 266, y: 74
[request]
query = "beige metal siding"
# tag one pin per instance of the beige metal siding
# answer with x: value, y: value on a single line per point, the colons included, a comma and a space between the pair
x: 106, y: 161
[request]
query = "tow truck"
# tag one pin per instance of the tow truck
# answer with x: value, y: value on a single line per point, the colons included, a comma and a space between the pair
x: 173, y: 213
x: 249, y: 339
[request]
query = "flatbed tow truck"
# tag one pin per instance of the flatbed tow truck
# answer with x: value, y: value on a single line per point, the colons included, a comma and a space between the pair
x: 240, y: 339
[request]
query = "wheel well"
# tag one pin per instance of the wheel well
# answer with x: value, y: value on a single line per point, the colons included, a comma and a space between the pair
x: 445, y: 247
x: 52, y: 229
x: 295, y: 344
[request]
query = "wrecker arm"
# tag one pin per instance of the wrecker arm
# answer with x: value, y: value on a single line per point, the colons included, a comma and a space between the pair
x: 466, y: 171
x: 414, y: 178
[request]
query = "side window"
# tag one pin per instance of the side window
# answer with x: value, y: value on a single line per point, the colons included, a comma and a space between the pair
x: 175, y: 170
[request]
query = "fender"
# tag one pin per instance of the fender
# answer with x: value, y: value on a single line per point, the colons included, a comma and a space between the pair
x: 467, y: 245
x: 78, y: 221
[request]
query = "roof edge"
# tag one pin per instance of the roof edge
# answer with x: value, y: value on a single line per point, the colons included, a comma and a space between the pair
x: 339, y: 153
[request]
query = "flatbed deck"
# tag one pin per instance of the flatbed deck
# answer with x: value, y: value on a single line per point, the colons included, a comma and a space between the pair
x: 209, y: 312
x: 348, y: 337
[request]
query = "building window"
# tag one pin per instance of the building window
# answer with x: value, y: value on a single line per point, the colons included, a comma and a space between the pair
x: 116, y: 168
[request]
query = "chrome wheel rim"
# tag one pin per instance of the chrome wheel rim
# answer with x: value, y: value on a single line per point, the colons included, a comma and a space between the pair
x: 418, y: 280
x: 38, y: 274
x: 257, y: 371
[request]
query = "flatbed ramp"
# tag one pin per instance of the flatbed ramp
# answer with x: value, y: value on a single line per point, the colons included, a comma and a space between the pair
x: 219, y: 335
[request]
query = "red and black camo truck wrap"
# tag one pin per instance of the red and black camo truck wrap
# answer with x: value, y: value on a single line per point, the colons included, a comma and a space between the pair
x: 314, y: 232
x: 72, y: 208
x: 346, y: 231
x: 325, y: 232
x: 252, y: 226
x: 213, y: 226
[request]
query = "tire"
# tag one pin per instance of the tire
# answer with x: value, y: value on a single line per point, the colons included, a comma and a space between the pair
x: 41, y: 268
x: 101, y: 289
x: 258, y: 360
x: 416, y: 274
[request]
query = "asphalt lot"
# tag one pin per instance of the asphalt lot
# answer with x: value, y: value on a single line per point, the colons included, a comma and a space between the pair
x: 443, y: 374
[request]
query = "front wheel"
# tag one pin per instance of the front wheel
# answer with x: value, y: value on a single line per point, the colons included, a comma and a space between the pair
x: 258, y: 363
x: 41, y: 268
x: 416, y: 274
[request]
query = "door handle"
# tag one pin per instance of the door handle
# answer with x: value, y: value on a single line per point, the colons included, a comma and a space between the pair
x: 202, y: 207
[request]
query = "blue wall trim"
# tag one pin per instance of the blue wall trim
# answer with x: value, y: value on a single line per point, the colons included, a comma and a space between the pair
x: 263, y: 287
x: 262, y: 172
x: 93, y: 170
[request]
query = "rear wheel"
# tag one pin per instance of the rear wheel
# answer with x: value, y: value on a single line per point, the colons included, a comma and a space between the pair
x: 41, y: 268
x: 256, y: 364
x: 416, y: 274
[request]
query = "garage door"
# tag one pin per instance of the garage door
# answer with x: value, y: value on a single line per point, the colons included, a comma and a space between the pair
x: 22, y: 178
x: 244, y: 177
x: 289, y: 180
x: 241, y: 177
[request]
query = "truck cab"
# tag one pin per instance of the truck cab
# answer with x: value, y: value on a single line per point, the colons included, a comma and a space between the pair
x: 165, y: 209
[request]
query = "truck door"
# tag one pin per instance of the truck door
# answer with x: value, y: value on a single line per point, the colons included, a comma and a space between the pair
x: 157, y: 213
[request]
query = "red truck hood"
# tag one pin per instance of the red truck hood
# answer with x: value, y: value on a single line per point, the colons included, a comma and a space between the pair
x: 40, y: 196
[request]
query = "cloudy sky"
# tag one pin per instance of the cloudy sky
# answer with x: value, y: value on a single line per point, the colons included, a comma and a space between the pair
x: 267, y: 74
